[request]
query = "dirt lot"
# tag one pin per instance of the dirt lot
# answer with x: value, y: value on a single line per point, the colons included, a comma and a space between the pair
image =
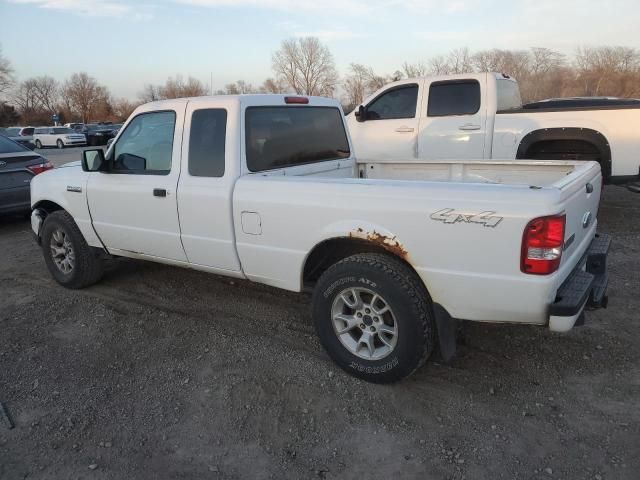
x: 159, y: 372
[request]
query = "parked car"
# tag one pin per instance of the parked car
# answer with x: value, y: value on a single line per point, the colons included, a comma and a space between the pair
x: 21, y: 135
x: 393, y: 251
x: 18, y: 165
x: 97, y: 134
x: 74, y: 126
x: 57, y: 137
x: 481, y: 116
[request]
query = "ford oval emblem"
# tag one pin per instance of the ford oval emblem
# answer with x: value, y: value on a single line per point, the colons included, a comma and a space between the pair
x: 586, y: 220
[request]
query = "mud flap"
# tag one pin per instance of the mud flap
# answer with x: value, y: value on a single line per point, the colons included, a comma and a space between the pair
x: 447, y: 333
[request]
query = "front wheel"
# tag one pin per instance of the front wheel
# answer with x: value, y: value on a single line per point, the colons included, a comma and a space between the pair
x: 374, y: 317
x: 60, y: 144
x: 70, y: 260
x: 38, y: 144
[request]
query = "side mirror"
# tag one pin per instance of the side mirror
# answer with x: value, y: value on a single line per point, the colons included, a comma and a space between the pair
x: 93, y: 160
x: 361, y: 114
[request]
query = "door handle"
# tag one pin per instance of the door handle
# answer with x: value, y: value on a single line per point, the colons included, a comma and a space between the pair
x: 159, y: 192
x: 469, y: 126
x: 404, y: 129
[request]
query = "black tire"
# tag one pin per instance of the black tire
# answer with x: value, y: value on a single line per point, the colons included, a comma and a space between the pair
x: 60, y: 144
x: 87, y: 268
x: 407, y: 297
x: 38, y: 144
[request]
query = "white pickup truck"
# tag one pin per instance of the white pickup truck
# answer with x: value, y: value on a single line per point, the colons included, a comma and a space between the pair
x: 266, y: 188
x: 481, y: 116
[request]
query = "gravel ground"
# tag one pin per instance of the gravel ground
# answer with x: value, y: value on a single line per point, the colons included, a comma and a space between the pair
x: 159, y: 372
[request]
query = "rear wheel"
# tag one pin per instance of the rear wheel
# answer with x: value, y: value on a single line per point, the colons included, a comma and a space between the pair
x: 374, y: 317
x: 38, y: 144
x: 60, y: 144
x: 70, y: 260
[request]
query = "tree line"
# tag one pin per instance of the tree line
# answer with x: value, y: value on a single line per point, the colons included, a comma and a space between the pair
x: 306, y: 66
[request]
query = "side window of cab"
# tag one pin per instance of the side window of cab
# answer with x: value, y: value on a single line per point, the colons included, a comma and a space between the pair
x: 146, y: 145
x: 398, y: 102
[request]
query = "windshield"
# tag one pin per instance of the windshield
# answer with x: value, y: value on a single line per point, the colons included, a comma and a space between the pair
x: 9, y: 146
x: 60, y: 130
x: 286, y: 136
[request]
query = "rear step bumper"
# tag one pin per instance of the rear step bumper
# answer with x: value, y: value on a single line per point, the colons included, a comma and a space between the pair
x: 585, y: 287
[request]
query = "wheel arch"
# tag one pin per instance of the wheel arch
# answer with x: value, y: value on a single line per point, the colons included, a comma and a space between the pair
x: 570, y: 138
x: 331, y: 250
x: 47, y: 206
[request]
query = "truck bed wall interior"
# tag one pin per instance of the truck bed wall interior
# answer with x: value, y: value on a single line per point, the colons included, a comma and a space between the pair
x: 531, y: 173
x: 512, y: 127
x: 277, y: 255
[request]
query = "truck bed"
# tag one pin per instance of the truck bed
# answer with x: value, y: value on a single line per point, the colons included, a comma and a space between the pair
x: 537, y: 173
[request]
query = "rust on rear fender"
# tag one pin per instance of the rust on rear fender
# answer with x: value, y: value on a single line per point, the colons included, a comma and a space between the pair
x: 390, y: 244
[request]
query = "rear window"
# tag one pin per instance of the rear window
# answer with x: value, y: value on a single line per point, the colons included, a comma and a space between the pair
x: 278, y: 137
x: 508, y: 95
x: 9, y: 146
x: 458, y: 97
x: 27, y: 131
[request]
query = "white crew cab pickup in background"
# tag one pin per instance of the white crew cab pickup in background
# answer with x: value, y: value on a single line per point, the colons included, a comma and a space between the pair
x: 267, y: 188
x: 481, y: 116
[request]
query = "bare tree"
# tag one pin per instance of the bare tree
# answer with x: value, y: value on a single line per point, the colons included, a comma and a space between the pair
x: 150, y: 93
x: 47, y: 92
x: 84, y: 95
x: 238, y: 88
x: 608, y: 71
x: 25, y: 97
x: 414, y: 70
x: 356, y: 85
x: 6, y: 73
x: 306, y: 65
x: 178, y: 88
x: 123, y: 108
x: 273, y: 85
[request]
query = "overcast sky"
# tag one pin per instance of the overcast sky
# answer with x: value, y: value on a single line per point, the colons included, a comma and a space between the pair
x: 127, y: 43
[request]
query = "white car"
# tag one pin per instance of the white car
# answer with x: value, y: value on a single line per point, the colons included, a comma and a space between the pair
x: 266, y: 188
x: 57, y: 137
x: 481, y: 116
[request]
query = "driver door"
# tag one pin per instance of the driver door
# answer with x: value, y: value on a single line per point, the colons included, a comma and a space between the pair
x: 390, y: 128
x: 133, y: 205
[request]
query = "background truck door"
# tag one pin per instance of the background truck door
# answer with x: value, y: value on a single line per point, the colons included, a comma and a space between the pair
x: 391, y: 125
x: 133, y: 206
x: 454, y: 122
x: 210, y: 168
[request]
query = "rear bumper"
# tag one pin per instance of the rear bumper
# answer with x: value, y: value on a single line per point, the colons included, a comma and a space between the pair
x: 585, y: 287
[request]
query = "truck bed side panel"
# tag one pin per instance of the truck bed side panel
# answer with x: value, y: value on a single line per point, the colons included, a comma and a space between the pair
x: 463, y: 240
x: 619, y: 126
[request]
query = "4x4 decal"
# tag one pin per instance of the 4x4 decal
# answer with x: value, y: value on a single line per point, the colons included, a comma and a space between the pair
x: 449, y: 215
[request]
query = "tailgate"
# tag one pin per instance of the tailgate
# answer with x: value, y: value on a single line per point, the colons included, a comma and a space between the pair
x: 581, y: 208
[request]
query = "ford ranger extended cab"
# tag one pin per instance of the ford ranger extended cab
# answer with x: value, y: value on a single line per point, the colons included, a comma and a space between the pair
x: 481, y: 116
x: 266, y: 188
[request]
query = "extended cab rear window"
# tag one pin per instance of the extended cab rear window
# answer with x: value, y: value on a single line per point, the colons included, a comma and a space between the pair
x: 278, y: 137
x: 453, y: 97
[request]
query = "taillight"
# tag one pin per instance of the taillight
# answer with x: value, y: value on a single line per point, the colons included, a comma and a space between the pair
x: 542, y: 245
x: 40, y: 167
x: 299, y: 100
